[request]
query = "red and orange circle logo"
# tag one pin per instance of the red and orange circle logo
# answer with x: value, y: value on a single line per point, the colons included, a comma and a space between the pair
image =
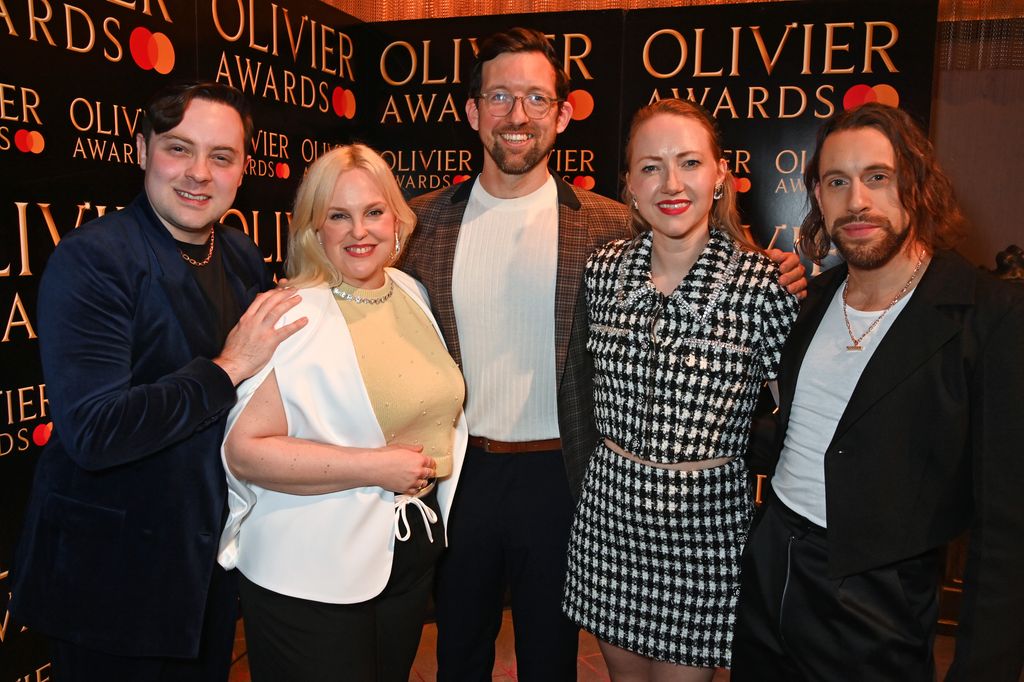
x: 29, y: 141
x: 742, y: 185
x: 344, y: 103
x: 582, y: 104
x: 281, y: 170
x: 41, y: 434
x: 584, y: 182
x: 862, y: 94
x: 151, y: 51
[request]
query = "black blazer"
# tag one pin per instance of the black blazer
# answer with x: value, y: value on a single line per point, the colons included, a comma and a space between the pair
x: 126, y: 509
x: 931, y: 443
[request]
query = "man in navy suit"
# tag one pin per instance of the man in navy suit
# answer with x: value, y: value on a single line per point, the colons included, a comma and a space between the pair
x: 143, y: 340
x: 902, y: 425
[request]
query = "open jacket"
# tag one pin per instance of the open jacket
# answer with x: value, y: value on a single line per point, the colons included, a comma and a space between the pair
x: 120, y: 535
x: 932, y: 443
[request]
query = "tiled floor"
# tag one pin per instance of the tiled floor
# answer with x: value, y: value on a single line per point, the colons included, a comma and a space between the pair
x: 590, y: 667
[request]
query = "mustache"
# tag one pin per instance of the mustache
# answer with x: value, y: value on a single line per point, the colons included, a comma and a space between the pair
x: 869, y: 218
x: 515, y: 128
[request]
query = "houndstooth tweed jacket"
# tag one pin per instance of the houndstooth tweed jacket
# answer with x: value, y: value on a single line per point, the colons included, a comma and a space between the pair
x: 585, y: 222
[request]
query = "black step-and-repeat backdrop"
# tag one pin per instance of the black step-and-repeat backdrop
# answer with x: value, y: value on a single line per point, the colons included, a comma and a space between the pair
x: 74, y: 75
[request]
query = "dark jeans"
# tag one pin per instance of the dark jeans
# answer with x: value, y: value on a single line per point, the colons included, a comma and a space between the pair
x: 795, y: 623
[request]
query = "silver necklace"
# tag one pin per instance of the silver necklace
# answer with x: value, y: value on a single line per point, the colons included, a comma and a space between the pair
x: 345, y: 296
x: 871, y: 327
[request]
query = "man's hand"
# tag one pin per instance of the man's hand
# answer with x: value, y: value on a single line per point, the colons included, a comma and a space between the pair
x: 792, y: 276
x: 252, y: 341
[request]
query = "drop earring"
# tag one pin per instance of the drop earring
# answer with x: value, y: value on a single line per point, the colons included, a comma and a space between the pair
x: 719, y: 192
x: 636, y: 206
x: 398, y: 244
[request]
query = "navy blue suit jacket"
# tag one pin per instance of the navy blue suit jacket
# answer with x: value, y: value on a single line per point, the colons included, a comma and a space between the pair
x: 125, y: 514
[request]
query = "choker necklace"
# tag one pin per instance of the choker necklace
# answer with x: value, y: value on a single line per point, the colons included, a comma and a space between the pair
x: 199, y: 263
x: 871, y: 327
x: 346, y: 296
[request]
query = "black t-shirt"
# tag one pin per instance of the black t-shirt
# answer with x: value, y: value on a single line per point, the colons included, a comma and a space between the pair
x: 223, y: 309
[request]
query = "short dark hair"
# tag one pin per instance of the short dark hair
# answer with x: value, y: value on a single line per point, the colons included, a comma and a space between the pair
x: 926, y: 193
x: 517, y: 40
x: 167, y: 106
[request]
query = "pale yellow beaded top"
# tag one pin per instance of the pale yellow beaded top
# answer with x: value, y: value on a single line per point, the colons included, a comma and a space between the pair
x: 415, y: 387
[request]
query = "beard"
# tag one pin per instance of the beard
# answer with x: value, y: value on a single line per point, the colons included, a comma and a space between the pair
x: 869, y: 256
x: 519, y: 163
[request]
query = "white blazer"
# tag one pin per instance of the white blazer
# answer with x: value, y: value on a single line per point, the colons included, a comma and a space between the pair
x: 334, y: 548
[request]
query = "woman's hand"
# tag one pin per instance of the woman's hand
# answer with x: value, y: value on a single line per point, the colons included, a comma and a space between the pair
x: 401, y: 468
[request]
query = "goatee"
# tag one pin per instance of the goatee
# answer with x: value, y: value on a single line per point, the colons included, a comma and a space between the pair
x: 518, y: 164
x: 869, y: 256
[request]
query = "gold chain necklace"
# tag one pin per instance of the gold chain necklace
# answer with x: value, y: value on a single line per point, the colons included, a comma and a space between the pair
x: 871, y: 327
x: 199, y: 263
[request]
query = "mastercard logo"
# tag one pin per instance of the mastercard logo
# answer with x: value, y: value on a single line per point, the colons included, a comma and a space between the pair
x: 29, y: 141
x: 344, y: 103
x: 741, y: 185
x: 582, y: 104
x: 41, y: 434
x: 459, y: 178
x: 281, y: 170
x: 151, y: 51
x: 583, y: 182
x: 862, y: 94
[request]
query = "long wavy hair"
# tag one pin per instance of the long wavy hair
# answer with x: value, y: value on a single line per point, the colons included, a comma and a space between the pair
x: 724, y: 214
x: 307, y: 262
x: 926, y: 193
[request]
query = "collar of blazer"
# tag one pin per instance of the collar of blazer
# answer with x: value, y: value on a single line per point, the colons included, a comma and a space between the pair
x: 184, y: 295
x: 928, y: 321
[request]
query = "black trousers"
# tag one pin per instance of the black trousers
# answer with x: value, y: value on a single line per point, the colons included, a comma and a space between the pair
x: 75, y: 663
x: 372, y: 641
x: 795, y: 623
x: 509, y: 528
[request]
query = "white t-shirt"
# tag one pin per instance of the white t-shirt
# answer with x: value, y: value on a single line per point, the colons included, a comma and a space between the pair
x: 503, y: 290
x: 828, y: 375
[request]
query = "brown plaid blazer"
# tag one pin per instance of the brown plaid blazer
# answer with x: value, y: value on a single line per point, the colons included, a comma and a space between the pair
x: 585, y: 222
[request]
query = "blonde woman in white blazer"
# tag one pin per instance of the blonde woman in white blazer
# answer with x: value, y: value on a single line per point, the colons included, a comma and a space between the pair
x: 343, y: 454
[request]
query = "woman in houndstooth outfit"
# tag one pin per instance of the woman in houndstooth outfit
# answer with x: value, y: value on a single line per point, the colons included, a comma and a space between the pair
x: 686, y: 323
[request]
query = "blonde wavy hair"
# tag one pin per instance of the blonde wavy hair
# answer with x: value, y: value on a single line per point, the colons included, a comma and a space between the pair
x: 307, y: 263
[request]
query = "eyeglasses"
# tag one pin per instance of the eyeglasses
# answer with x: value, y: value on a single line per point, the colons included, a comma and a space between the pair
x: 500, y: 103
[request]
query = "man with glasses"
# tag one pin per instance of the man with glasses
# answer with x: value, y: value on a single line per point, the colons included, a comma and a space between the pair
x: 502, y: 258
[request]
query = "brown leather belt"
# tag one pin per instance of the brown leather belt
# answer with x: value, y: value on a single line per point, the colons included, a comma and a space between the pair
x: 501, y: 447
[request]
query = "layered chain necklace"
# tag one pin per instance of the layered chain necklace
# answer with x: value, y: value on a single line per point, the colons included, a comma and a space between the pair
x: 855, y: 346
x: 199, y: 263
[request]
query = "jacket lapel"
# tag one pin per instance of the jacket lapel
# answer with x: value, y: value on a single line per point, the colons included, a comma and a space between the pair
x: 919, y: 331
x: 574, y: 247
x: 819, y: 295
x: 182, y: 291
x: 446, y: 238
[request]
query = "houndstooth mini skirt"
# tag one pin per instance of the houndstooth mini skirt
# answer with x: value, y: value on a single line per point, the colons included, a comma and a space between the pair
x: 654, y: 558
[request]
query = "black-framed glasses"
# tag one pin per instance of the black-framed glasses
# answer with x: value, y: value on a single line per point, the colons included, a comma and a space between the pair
x: 500, y: 103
